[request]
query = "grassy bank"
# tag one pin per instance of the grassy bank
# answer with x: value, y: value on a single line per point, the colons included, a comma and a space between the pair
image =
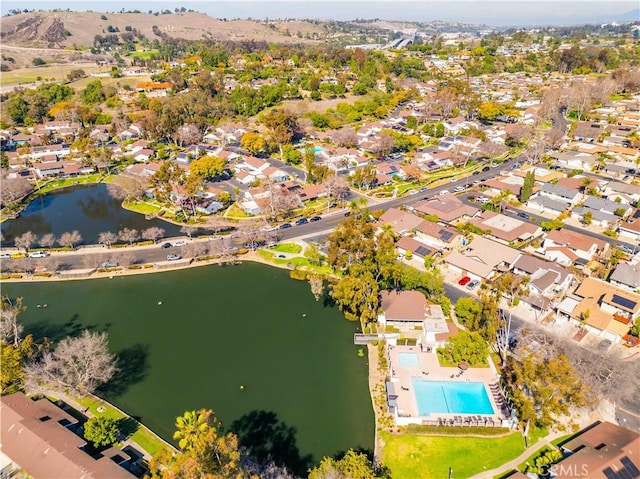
x: 410, y: 456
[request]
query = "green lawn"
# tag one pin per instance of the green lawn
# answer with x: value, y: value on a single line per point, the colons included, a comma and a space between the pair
x: 141, y: 207
x: 426, y: 457
x: 298, y: 262
x: 78, y: 180
x: 144, y: 55
x: 292, y: 248
x: 142, y: 436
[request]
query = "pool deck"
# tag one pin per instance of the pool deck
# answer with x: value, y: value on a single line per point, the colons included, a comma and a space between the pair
x: 428, y: 363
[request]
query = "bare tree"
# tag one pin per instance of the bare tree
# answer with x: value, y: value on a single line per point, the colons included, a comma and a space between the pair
x: 317, y: 285
x: 346, y: 136
x: 128, y: 235
x: 187, y: 135
x: 196, y: 249
x: 13, y: 189
x: 10, y: 329
x: 188, y: 230
x: 78, y: 364
x: 126, y: 259
x: 107, y: 238
x: 554, y: 137
x: 70, y: 239
x: 47, y: 240
x: 154, y: 233
x: 250, y: 232
x: 385, y: 144
x: 25, y: 240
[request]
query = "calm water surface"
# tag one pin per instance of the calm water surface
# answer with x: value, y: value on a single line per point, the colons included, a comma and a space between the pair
x: 218, y: 328
x: 90, y: 209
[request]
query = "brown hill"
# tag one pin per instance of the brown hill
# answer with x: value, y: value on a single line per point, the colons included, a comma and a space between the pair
x: 66, y: 29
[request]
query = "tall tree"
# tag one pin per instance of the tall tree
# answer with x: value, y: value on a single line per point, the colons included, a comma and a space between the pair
x: 283, y: 126
x: 107, y: 238
x: 128, y: 235
x: 25, y: 240
x: 78, y: 364
x: 527, y: 187
x: 70, y: 239
x: 47, y: 240
x: 153, y: 233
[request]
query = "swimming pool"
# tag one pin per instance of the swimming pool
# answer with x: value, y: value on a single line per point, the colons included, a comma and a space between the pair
x: 317, y: 149
x: 451, y: 397
x: 408, y: 359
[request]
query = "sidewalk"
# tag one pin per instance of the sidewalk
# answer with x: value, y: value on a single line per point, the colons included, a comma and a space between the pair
x: 513, y: 464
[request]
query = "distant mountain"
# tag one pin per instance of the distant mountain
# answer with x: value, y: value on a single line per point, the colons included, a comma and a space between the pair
x: 65, y: 29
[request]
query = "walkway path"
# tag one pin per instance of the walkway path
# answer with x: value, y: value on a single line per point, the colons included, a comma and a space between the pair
x: 511, y: 465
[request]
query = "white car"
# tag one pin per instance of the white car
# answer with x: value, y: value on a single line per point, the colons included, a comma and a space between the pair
x: 180, y: 243
x: 458, y: 189
x: 444, y: 192
x: 38, y: 254
x: 5, y: 256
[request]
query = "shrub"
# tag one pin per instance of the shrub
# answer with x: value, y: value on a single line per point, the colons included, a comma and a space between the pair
x: 299, y: 274
x: 101, y: 431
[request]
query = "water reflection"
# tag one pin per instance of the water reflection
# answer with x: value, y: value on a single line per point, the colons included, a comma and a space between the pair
x: 90, y: 209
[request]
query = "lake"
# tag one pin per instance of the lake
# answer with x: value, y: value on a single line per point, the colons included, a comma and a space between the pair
x: 90, y: 209
x: 217, y: 329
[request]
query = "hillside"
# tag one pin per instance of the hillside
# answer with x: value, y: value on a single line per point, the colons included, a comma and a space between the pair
x: 68, y: 29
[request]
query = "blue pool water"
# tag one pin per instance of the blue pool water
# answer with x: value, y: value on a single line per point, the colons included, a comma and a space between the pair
x: 317, y: 149
x: 451, y: 397
x: 408, y: 359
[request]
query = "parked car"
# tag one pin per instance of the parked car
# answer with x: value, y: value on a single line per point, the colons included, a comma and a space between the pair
x: 109, y: 264
x: 302, y: 221
x: 166, y: 245
x: 476, y: 173
x: 173, y: 257
x: 486, y: 168
x: 285, y: 226
x: 464, y: 281
x: 348, y: 213
x: 5, y: 256
x: 38, y: 254
x: 523, y: 215
x: 626, y: 248
x: 472, y: 284
x: 315, y: 218
x: 453, y: 180
x: 459, y: 189
x: 444, y: 192
x: 180, y: 243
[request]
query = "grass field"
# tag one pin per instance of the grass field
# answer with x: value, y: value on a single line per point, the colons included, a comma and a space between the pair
x: 144, y: 55
x: 45, y: 73
x: 142, y: 436
x: 292, y: 248
x: 141, y: 207
x: 428, y: 457
x: 108, y: 81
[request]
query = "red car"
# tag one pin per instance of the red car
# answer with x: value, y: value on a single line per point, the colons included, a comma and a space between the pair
x: 464, y: 281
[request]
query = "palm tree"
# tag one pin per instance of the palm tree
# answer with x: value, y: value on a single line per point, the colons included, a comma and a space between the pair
x: 192, y: 427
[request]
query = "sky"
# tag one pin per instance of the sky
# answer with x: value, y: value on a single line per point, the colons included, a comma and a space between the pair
x: 493, y: 12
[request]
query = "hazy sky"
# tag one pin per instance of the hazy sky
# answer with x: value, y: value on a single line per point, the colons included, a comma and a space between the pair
x: 496, y: 12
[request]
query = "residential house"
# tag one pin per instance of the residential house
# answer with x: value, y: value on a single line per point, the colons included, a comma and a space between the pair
x: 626, y: 192
x: 496, y: 186
x: 404, y: 310
x: 560, y: 193
x: 448, y: 208
x: 143, y: 155
x: 630, y: 228
x: 38, y: 440
x: 505, y: 228
x: 545, y: 204
x: 602, y: 451
x: 606, y: 206
x: 546, y: 278
x: 418, y: 250
x: 401, y: 222
x: 574, y: 159
x: 584, y: 247
x: 626, y: 276
x: 439, y: 236
x: 605, y: 309
x: 482, y: 259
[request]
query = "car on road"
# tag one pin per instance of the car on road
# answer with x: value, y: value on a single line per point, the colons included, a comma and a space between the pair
x: 464, y: 281
x: 476, y: 173
x: 348, y: 213
x: 38, y: 254
x: 472, y: 284
x: 523, y: 215
x: 173, y: 257
x: 477, y: 182
x: 180, y: 243
x: 453, y: 180
x: 165, y: 245
x: 315, y: 218
x: 109, y: 264
x: 5, y: 256
x: 302, y: 221
x: 459, y: 189
x: 444, y: 192
x: 486, y: 168
x: 285, y: 226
